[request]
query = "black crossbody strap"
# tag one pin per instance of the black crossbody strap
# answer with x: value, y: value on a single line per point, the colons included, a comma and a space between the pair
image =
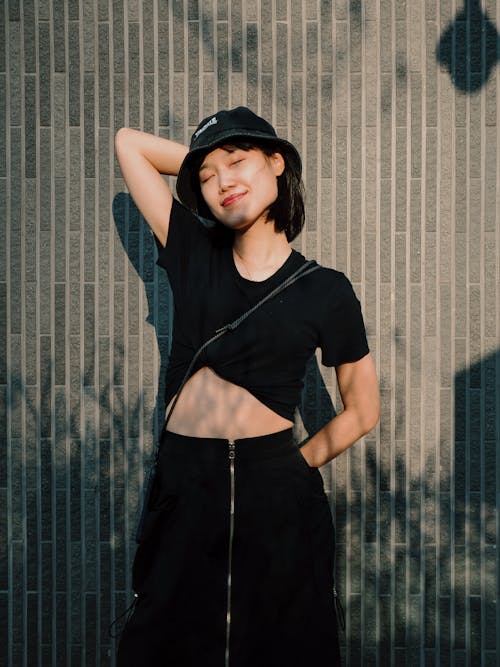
x: 303, y: 270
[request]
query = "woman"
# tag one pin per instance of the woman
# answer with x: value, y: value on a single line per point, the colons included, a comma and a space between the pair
x: 235, y: 562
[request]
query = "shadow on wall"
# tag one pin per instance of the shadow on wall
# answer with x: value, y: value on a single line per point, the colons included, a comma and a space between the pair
x: 474, y: 489
x: 436, y: 594
x: 139, y: 246
x: 469, y: 48
x: 72, y: 509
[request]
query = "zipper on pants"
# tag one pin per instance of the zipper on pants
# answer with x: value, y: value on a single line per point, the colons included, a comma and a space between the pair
x: 232, y: 454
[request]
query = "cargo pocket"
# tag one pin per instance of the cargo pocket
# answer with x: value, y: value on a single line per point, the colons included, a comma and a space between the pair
x: 322, y: 537
x: 161, y: 503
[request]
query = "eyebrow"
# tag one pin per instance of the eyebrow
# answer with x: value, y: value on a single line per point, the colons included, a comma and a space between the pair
x: 229, y: 149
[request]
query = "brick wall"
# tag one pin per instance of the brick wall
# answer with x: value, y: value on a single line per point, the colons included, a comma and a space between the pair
x: 395, y: 108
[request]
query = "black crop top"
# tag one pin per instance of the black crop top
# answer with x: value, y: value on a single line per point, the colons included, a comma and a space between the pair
x: 267, y: 354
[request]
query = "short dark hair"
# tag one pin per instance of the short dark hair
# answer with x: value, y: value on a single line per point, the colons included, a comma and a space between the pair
x: 287, y: 210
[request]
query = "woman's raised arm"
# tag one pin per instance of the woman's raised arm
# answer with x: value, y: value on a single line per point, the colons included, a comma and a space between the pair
x: 143, y: 158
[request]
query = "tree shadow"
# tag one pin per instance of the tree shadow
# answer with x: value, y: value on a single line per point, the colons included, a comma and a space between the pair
x: 75, y: 490
x: 469, y: 48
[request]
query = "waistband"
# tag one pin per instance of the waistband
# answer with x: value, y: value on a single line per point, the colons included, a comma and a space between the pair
x: 260, y: 447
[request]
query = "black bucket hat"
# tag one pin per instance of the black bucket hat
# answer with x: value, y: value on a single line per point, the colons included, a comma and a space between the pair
x: 219, y: 129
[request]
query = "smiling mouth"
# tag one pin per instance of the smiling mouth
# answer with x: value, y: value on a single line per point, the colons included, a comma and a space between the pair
x: 232, y: 199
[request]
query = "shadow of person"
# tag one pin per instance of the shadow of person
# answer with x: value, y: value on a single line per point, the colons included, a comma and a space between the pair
x: 139, y: 245
x: 469, y: 48
x: 316, y: 407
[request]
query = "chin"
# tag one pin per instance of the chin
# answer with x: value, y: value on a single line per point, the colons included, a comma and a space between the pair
x: 238, y: 224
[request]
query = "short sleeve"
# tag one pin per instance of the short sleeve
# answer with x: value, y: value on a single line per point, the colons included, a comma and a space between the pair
x: 188, y: 241
x: 343, y: 335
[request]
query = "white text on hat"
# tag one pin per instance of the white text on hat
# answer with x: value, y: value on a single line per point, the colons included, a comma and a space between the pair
x: 212, y: 121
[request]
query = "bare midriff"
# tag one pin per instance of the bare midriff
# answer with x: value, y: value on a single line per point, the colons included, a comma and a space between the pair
x: 211, y: 407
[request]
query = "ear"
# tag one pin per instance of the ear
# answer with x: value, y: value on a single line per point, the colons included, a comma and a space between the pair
x: 278, y: 163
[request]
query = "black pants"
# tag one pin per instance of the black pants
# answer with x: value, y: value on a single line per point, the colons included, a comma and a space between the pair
x: 236, y: 565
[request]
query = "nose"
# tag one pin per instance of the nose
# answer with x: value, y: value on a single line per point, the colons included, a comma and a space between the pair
x: 226, y: 180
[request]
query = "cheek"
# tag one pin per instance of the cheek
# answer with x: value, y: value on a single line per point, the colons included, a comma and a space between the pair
x: 207, y: 192
x: 271, y: 188
x: 269, y: 181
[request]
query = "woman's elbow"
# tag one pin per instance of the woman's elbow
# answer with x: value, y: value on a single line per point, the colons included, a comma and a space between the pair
x: 121, y: 137
x: 370, y: 416
x: 370, y: 422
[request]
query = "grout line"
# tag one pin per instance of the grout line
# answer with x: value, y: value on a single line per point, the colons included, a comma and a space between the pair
x: 407, y: 127
x: 230, y: 56
x: 363, y: 251
x: 96, y: 302
x: 111, y: 189
x: 497, y: 369
x: 9, y: 398
x: 67, y: 356
x: 424, y: 377
x: 467, y: 443
x: 244, y: 67
x: 438, y: 508
x: 22, y: 378
x: 274, y: 52
x: 453, y: 362
x: 319, y: 154
x: 185, y: 87
x: 37, y: 336
x: 378, y: 631
x: 259, y: 58
x: 482, y: 290
x: 393, y: 459
x: 81, y: 391
x: 53, y: 478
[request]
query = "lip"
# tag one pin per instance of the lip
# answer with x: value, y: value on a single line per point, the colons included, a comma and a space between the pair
x: 231, y: 199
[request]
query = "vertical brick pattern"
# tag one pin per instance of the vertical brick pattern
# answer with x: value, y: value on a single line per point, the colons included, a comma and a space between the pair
x: 395, y: 108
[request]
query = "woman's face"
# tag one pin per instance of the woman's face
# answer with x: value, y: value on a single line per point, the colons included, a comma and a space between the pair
x: 239, y: 185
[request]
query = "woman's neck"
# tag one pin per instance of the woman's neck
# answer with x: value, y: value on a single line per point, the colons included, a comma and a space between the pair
x: 258, y: 253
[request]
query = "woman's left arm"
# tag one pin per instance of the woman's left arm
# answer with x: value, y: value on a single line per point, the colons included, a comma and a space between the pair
x: 358, y: 388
